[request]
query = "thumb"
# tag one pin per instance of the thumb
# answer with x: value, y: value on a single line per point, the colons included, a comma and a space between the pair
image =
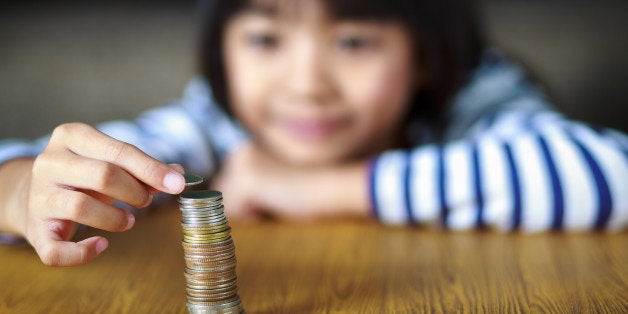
x: 64, y: 253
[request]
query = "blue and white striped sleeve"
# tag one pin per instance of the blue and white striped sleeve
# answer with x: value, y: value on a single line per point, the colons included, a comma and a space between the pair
x: 522, y: 172
x: 168, y: 134
x: 13, y: 148
x: 192, y: 131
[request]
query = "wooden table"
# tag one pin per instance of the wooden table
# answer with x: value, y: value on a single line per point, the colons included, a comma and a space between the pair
x: 347, y: 266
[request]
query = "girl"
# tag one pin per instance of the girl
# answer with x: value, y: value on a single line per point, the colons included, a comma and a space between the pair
x: 306, y: 109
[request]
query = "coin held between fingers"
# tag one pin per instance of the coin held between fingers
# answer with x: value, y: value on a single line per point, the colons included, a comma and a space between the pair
x: 192, y: 179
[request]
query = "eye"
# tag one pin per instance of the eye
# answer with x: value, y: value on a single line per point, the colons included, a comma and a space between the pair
x: 263, y: 40
x: 352, y: 43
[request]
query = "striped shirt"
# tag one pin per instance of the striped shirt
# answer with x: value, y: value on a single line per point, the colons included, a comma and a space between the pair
x: 509, y: 160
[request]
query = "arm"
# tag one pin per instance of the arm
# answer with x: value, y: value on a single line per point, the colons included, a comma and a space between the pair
x: 192, y: 131
x: 520, y: 172
x: 15, y: 180
x: 76, y: 180
x: 255, y: 184
x: 76, y: 175
x: 47, y: 186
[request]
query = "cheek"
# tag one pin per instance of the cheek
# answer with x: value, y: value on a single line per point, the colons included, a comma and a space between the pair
x: 247, y: 90
x: 380, y: 92
x: 241, y: 91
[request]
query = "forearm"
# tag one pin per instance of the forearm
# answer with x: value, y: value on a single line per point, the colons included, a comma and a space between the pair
x: 336, y: 191
x: 539, y: 176
x: 14, y: 180
x: 254, y: 183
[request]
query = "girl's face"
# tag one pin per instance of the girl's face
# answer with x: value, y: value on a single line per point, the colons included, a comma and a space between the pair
x: 313, y: 90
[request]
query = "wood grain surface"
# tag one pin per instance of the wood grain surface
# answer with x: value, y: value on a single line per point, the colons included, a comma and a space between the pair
x: 342, y: 266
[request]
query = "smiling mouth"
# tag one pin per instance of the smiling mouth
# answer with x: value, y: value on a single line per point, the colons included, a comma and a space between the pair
x: 312, y: 129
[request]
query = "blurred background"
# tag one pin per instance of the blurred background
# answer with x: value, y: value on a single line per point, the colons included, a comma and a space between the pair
x: 94, y: 61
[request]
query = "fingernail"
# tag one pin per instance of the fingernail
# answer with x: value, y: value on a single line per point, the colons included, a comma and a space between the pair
x: 130, y: 221
x: 174, y: 182
x: 101, y: 245
x: 150, y: 199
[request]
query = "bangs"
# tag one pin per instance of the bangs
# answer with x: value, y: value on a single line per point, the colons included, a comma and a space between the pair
x: 368, y: 10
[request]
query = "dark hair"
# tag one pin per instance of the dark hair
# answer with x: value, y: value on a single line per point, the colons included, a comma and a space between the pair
x: 446, y: 35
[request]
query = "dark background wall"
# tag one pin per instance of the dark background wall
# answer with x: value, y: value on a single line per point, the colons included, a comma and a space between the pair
x: 93, y: 61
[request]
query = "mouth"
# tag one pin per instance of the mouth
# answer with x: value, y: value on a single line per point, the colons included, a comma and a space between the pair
x: 312, y: 129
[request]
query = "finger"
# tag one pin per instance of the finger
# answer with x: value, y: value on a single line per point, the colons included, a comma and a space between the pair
x: 86, y: 141
x: 82, y: 208
x: 96, y: 175
x: 101, y: 197
x: 178, y: 168
x: 62, y: 253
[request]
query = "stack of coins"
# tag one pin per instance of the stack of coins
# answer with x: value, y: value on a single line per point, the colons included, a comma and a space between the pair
x: 209, y: 253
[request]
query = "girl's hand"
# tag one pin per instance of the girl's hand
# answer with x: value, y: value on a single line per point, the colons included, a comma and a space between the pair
x: 76, y: 180
x: 254, y: 184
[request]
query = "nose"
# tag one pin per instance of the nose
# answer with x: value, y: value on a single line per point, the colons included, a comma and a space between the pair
x: 308, y: 77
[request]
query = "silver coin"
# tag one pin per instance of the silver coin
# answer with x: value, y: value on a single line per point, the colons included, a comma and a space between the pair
x: 192, y: 179
x: 210, y: 267
x: 208, y: 196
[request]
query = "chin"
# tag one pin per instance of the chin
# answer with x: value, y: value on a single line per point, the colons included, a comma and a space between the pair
x: 310, y: 153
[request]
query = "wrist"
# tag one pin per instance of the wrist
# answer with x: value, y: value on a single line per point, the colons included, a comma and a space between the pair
x: 344, y: 190
x: 15, y: 176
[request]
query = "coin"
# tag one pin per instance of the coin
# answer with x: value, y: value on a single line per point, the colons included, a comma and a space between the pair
x: 192, y: 179
x: 201, y: 196
x: 209, y: 254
